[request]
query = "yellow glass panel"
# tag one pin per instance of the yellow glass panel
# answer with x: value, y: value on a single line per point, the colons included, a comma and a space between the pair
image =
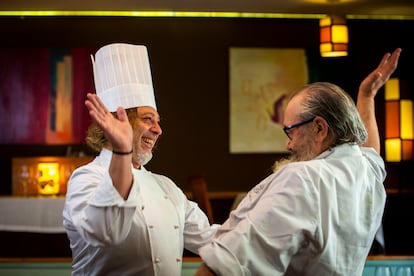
x: 326, y: 47
x: 392, y: 119
x: 392, y: 89
x: 334, y: 54
x: 339, y: 34
x: 393, y: 150
x: 406, y: 119
x: 327, y: 21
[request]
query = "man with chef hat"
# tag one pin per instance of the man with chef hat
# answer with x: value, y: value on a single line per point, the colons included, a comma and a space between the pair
x: 122, y: 219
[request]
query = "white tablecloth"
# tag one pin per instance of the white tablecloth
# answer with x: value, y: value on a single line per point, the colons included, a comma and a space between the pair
x: 32, y: 214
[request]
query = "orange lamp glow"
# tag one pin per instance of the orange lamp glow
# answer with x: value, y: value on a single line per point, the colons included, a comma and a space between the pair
x: 399, y: 132
x: 48, y: 178
x: 333, y: 36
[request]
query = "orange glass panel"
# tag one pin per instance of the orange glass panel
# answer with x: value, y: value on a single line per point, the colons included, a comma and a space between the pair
x: 325, y: 34
x: 340, y: 47
x: 392, y: 119
x: 407, y: 149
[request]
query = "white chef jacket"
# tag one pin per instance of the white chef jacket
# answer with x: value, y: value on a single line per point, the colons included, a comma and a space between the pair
x: 317, y: 217
x: 143, y: 235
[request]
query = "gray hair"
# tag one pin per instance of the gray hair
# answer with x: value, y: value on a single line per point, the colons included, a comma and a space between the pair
x: 332, y: 103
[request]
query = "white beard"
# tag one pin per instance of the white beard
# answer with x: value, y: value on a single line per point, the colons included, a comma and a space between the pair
x: 306, y: 154
x: 144, y: 158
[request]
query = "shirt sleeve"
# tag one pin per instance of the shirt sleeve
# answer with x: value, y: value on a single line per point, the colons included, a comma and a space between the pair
x: 376, y: 162
x: 278, y: 216
x: 197, y: 229
x: 96, y: 210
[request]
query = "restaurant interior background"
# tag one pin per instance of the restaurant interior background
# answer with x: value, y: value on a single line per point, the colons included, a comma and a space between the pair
x: 190, y: 68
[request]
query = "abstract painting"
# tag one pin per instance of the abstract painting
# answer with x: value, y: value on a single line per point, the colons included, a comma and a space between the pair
x: 260, y: 81
x: 42, y: 94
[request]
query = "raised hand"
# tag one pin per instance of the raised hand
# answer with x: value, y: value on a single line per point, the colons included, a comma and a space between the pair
x: 117, y: 131
x: 377, y: 78
x: 366, y: 96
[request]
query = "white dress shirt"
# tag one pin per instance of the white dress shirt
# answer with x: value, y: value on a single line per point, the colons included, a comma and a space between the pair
x: 317, y: 217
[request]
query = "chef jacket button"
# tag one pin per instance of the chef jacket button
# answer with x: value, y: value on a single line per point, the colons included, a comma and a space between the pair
x: 150, y: 226
x: 166, y: 196
x: 157, y: 260
x: 176, y: 226
x: 142, y: 207
x: 178, y: 260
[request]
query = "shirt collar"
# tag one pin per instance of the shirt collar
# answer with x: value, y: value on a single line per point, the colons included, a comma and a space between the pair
x: 340, y: 150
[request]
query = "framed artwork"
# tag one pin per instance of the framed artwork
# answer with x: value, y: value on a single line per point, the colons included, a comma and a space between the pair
x: 260, y: 81
x: 42, y: 94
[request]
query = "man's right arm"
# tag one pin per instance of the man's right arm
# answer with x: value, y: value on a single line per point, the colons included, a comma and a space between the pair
x: 367, y: 92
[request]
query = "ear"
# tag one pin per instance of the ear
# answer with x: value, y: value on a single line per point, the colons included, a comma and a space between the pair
x: 320, y: 128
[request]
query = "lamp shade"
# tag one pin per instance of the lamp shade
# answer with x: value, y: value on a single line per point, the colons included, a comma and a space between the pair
x: 333, y: 36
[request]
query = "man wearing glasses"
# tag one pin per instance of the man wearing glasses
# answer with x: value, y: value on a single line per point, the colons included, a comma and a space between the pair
x: 318, y: 213
x: 287, y: 129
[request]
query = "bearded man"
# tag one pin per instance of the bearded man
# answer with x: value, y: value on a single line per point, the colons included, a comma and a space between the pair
x: 318, y: 213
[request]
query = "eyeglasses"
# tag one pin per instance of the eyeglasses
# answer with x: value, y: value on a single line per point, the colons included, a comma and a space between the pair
x: 287, y: 129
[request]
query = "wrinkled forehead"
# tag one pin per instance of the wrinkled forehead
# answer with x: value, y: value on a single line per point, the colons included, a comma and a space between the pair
x: 294, y: 107
x: 149, y: 110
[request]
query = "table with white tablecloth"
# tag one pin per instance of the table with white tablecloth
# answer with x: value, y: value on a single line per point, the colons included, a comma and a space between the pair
x: 32, y: 214
x: 32, y: 227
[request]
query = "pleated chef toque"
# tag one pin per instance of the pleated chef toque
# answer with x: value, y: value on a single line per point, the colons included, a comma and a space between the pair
x: 122, y: 76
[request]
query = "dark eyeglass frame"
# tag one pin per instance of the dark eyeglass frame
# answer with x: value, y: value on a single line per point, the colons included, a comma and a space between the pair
x: 286, y: 129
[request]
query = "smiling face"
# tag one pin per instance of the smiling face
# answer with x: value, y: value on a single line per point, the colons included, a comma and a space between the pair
x: 146, y: 132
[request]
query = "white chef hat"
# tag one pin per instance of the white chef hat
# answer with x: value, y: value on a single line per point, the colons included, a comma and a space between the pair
x: 122, y: 76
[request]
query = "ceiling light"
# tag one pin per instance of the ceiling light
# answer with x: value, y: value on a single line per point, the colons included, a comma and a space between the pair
x: 333, y: 36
